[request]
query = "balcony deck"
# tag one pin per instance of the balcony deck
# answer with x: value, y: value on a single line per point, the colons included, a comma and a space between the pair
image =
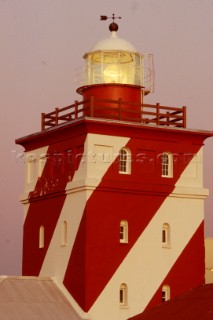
x: 117, y: 110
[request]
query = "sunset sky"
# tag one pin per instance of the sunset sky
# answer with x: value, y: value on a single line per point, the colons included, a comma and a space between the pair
x: 41, y: 45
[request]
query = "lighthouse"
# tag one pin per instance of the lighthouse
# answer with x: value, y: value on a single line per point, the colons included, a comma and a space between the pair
x: 114, y: 197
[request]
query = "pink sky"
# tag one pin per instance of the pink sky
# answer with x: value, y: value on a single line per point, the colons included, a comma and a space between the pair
x: 42, y: 43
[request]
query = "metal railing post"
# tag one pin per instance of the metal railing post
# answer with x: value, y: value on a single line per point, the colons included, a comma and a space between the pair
x: 157, y: 113
x: 42, y: 121
x: 184, y: 117
x: 91, y: 106
x: 56, y: 116
x: 119, y: 108
x: 76, y: 109
x: 167, y: 118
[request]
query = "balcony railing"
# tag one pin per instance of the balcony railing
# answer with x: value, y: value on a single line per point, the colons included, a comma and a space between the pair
x: 116, y: 110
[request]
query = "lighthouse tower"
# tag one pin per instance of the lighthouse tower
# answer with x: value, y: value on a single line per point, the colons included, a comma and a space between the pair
x: 114, y: 197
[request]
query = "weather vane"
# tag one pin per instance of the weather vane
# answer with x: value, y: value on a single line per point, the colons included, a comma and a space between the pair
x: 113, y: 26
x: 113, y: 17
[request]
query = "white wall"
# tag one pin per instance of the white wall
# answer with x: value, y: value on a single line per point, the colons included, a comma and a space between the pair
x: 209, y: 260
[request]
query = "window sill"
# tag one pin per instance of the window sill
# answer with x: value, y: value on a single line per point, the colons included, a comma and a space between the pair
x: 122, y: 172
x: 168, y: 177
x: 166, y: 246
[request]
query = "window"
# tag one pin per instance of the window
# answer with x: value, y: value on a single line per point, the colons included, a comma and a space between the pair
x: 41, y: 164
x: 165, y: 293
x: 166, y: 235
x: 64, y: 234
x: 124, y: 231
x: 41, y: 237
x: 124, y: 161
x: 167, y: 165
x: 123, y: 295
x: 31, y: 168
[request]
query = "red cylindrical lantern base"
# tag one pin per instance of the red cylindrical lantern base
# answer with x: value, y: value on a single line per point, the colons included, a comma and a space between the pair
x: 113, y: 101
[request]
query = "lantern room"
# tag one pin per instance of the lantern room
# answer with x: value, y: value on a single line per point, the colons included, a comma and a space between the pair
x: 116, y: 61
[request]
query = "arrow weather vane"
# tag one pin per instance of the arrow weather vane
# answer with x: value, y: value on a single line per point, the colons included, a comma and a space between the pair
x: 113, y: 17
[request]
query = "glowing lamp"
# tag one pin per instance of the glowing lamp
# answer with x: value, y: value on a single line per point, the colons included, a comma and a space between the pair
x: 117, y: 66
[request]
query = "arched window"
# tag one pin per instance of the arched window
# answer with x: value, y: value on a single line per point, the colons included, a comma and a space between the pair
x: 125, y: 161
x: 166, y: 236
x: 123, y: 295
x: 41, y: 164
x: 166, y: 165
x: 165, y: 293
x: 31, y: 168
x: 123, y: 231
x: 64, y: 234
x: 41, y: 237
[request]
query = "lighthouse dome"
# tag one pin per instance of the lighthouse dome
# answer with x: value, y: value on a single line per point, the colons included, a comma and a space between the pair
x: 114, y: 43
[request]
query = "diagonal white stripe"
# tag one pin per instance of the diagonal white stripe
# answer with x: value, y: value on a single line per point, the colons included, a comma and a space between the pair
x: 79, y: 190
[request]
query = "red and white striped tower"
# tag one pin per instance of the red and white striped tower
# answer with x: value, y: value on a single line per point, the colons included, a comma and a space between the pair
x: 114, y: 196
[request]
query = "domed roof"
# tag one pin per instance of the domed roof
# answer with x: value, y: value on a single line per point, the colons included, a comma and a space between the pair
x: 114, y: 43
